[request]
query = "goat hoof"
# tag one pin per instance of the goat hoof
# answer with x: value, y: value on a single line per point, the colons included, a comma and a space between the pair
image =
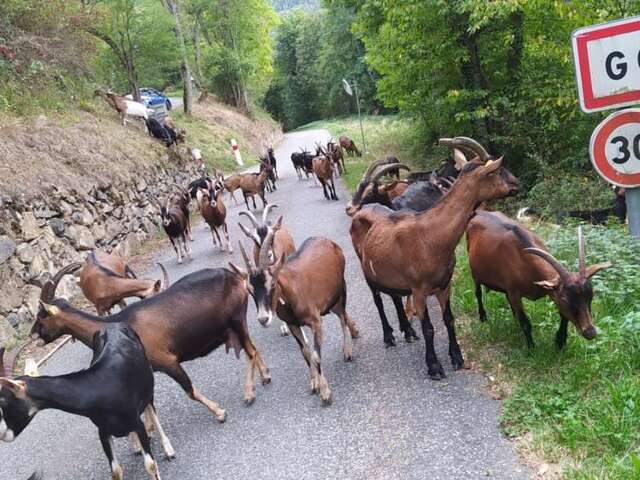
x: 222, y: 418
x: 249, y: 401
x: 327, y: 401
x: 266, y: 380
x: 436, y: 372
x: 348, y: 358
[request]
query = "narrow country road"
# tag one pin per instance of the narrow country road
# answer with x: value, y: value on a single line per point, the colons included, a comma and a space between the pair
x: 388, y: 420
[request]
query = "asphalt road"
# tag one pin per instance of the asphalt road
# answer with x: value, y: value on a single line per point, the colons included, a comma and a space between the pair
x: 388, y: 420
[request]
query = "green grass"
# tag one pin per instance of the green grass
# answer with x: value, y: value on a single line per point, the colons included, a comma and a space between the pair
x: 580, y: 407
x: 215, y: 146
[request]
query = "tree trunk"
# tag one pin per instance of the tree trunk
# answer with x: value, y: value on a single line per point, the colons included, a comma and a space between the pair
x: 514, y: 58
x: 132, y: 76
x: 187, y: 80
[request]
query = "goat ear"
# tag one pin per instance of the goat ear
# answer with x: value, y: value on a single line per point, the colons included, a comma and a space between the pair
x: 51, y: 310
x: 492, y: 165
x: 278, y: 225
x: 17, y: 387
x: 157, y: 287
x: 549, y: 284
x: 593, y: 269
x: 240, y: 271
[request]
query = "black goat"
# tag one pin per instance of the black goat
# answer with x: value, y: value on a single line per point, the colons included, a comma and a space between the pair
x: 203, y: 183
x: 600, y: 216
x: 266, y: 166
x: 271, y: 158
x: 159, y: 131
x: 297, y: 158
x: 113, y: 393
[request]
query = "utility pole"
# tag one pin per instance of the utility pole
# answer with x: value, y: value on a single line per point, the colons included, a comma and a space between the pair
x: 347, y: 88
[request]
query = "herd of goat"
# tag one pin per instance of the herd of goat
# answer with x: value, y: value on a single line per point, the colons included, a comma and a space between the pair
x: 204, y: 310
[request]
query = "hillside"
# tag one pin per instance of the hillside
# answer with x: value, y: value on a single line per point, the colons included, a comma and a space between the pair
x: 87, y: 148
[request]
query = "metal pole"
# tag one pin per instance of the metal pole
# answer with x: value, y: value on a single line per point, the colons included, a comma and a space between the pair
x: 364, y: 145
x: 633, y: 211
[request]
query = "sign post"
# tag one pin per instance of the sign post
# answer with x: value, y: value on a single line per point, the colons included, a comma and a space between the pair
x: 607, y: 60
x: 347, y: 88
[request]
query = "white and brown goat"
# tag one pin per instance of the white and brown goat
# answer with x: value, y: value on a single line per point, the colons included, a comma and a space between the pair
x: 300, y: 293
x: 506, y: 257
x: 404, y: 253
x: 124, y: 106
x: 214, y: 212
x: 282, y: 244
x: 106, y: 280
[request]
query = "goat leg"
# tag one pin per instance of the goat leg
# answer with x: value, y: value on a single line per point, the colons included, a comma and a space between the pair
x: 108, y: 447
x: 137, y: 448
x: 518, y: 311
x: 457, y: 360
x: 431, y: 309
x: 409, y: 333
x: 176, y: 372
x: 169, y: 452
x: 298, y: 334
x: 325, y: 391
x: 481, y: 312
x: 226, y: 236
x: 252, y: 364
x: 387, y: 330
x: 150, y: 464
x: 561, y: 334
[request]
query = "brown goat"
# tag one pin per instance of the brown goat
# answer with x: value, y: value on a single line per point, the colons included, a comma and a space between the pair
x: 214, y: 213
x: 106, y: 280
x: 300, y: 293
x: 188, y: 320
x: 506, y: 257
x: 404, y: 253
x: 349, y: 146
x: 231, y: 184
x: 252, y: 184
x: 282, y: 244
x: 337, y: 156
x: 175, y: 221
x: 323, y: 169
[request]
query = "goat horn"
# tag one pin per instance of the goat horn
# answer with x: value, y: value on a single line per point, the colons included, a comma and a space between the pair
x: 446, y: 181
x: 6, y: 367
x: 263, y: 258
x: 251, y: 217
x: 459, y: 158
x: 245, y: 257
x: 373, y: 166
x: 468, y: 144
x: 582, y: 268
x: 49, y: 289
x: 550, y: 259
x: 386, y: 168
x: 266, y: 211
x: 165, y: 277
x: 248, y: 233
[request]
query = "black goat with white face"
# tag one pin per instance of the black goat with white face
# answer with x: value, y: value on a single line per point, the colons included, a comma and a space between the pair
x: 113, y: 393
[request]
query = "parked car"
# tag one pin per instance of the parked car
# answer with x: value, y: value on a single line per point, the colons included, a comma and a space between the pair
x: 152, y: 98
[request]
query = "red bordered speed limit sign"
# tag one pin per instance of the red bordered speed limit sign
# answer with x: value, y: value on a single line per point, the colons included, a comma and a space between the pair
x: 615, y: 148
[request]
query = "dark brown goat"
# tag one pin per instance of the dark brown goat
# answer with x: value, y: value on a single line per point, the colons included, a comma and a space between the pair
x: 300, y: 293
x: 214, y: 213
x: 106, y: 280
x: 337, y: 156
x: 406, y: 253
x: 349, y: 146
x: 175, y: 221
x: 323, y: 169
x: 508, y: 258
x: 282, y: 244
x: 188, y: 320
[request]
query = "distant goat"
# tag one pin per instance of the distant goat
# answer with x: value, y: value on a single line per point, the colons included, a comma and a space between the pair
x: 113, y: 393
x: 337, y: 157
x: 271, y: 160
x: 175, y: 221
x: 214, y: 212
x: 323, y: 169
x: 252, y: 184
x: 506, y: 257
x: 349, y: 146
x: 159, y: 131
x: 124, y: 106
x: 106, y: 280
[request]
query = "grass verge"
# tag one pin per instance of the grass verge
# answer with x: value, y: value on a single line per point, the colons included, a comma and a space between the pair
x: 578, y: 409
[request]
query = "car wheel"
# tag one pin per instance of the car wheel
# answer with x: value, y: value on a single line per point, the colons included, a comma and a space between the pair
x: 168, y: 103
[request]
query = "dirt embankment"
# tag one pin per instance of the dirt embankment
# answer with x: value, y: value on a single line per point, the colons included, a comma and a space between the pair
x: 69, y: 185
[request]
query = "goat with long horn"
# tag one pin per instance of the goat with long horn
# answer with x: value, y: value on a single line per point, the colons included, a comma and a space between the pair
x: 506, y: 257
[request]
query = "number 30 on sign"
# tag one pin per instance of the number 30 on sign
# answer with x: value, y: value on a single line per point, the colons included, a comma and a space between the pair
x: 615, y: 148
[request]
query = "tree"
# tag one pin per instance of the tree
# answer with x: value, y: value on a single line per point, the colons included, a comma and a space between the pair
x: 185, y: 70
